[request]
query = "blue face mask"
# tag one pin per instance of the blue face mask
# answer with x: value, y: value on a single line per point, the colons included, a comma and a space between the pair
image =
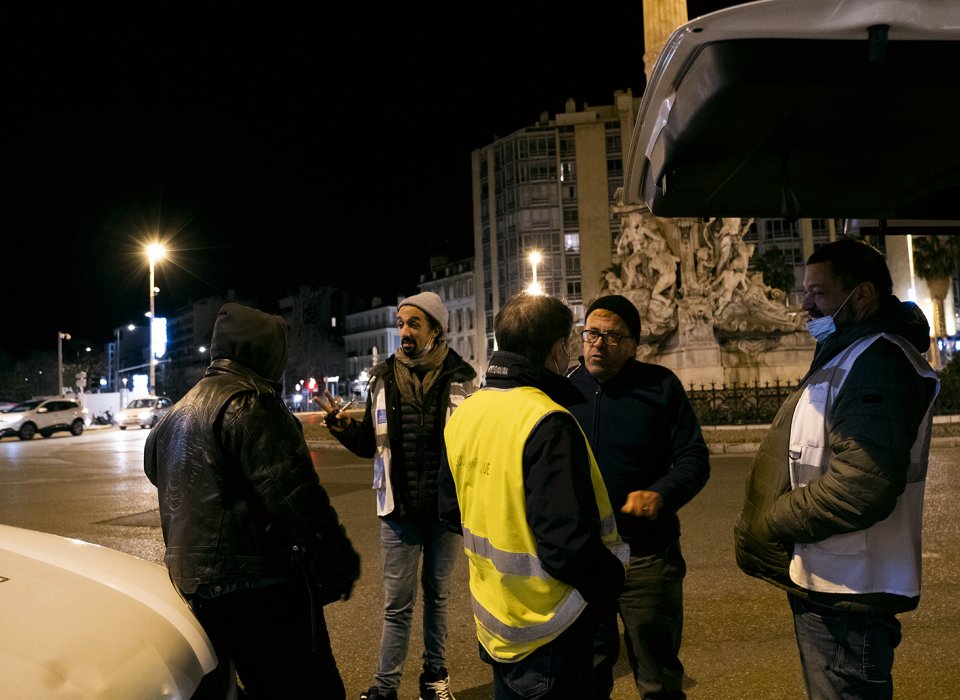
x: 823, y: 327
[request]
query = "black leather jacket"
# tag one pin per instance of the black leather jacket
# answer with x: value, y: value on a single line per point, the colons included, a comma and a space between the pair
x: 238, y: 490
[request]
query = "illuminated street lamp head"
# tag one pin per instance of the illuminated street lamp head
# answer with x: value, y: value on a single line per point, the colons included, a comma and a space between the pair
x: 155, y: 252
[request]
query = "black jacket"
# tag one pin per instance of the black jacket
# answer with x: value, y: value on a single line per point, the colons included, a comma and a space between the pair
x: 415, y: 436
x: 645, y: 436
x: 876, y: 418
x: 237, y: 487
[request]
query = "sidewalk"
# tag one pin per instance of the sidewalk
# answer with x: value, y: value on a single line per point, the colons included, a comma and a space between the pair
x: 745, y: 439
x: 721, y: 439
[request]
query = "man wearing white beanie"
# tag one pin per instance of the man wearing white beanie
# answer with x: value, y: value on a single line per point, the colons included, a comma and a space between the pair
x: 411, y: 397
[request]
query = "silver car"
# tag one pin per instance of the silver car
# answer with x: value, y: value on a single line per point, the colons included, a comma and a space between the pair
x: 44, y: 416
x: 144, y: 412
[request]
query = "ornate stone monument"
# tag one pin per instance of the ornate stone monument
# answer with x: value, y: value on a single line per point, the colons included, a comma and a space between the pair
x: 704, y: 314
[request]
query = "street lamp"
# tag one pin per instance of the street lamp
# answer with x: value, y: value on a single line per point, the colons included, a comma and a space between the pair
x: 116, y: 352
x: 155, y: 252
x: 534, y: 287
x: 61, y: 336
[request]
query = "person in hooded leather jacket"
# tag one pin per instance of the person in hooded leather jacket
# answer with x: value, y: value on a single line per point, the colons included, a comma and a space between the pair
x: 834, y: 499
x: 252, y: 540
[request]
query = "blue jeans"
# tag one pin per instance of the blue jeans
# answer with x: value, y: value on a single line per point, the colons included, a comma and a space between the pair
x: 401, y: 543
x: 651, y: 607
x: 844, y: 655
x: 559, y: 670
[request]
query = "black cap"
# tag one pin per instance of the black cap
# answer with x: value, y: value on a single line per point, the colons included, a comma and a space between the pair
x: 622, y: 307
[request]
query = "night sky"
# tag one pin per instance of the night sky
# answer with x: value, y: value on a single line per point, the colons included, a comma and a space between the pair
x: 268, y: 146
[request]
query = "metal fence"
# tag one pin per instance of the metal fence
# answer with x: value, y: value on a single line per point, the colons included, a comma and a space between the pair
x: 752, y: 404
x: 739, y: 404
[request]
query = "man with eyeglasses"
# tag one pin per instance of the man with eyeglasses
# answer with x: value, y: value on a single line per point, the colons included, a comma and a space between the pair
x: 653, y: 458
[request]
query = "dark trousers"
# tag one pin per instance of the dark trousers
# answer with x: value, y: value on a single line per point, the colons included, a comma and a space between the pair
x: 844, y: 654
x: 267, y: 633
x: 559, y: 670
x: 651, y: 607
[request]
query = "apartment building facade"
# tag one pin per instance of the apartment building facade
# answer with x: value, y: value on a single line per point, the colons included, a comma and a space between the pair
x: 454, y: 282
x: 547, y: 189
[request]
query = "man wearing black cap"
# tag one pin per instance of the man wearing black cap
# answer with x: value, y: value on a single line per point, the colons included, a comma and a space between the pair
x: 651, y: 453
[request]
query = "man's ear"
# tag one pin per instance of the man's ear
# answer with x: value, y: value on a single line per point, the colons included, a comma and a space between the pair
x: 865, y: 300
x: 867, y: 292
x: 552, y: 355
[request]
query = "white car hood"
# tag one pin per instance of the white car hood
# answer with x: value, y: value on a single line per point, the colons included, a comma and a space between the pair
x: 81, y: 620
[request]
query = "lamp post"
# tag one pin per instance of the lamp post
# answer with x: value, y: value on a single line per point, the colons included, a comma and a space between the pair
x: 534, y: 287
x: 155, y: 252
x: 116, y: 358
x: 61, y: 336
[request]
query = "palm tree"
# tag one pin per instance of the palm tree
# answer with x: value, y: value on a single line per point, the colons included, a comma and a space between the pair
x: 776, y: 273
x: 935, y: 262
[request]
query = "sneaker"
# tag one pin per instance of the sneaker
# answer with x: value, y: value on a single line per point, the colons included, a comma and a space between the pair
x: 373, y: 693
x: 435, y: 685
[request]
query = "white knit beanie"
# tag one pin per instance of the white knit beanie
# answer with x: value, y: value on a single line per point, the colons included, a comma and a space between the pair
x: 431, y: 304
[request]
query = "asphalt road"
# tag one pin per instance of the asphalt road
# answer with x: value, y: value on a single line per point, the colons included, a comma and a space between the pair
x: 738, y: 642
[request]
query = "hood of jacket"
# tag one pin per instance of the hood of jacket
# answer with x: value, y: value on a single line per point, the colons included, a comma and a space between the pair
x: 251, y: 337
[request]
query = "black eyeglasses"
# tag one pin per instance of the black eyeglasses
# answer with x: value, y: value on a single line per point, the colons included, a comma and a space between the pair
x: 609, y: 337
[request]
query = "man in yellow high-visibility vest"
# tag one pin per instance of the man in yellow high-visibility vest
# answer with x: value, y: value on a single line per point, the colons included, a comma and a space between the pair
x: 517, y: 477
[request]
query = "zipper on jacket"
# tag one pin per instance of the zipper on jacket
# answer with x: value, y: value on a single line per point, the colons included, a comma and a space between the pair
x: 595, y: 437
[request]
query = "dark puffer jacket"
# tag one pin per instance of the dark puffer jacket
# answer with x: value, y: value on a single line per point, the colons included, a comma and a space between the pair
x: 416, y: 437
x: 236, y: 484
x: 877, y: 415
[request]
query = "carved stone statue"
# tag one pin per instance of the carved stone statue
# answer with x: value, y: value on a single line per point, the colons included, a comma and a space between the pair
x: 644, y: 271
x: 720, y: 296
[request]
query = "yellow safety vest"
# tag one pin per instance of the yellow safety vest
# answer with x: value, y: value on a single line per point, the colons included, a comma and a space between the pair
x: 517, y: 606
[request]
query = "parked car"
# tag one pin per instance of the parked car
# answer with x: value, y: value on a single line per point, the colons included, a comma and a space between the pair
x: 81, y: 620
x: 44, y: 416
x: 144, y: 412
